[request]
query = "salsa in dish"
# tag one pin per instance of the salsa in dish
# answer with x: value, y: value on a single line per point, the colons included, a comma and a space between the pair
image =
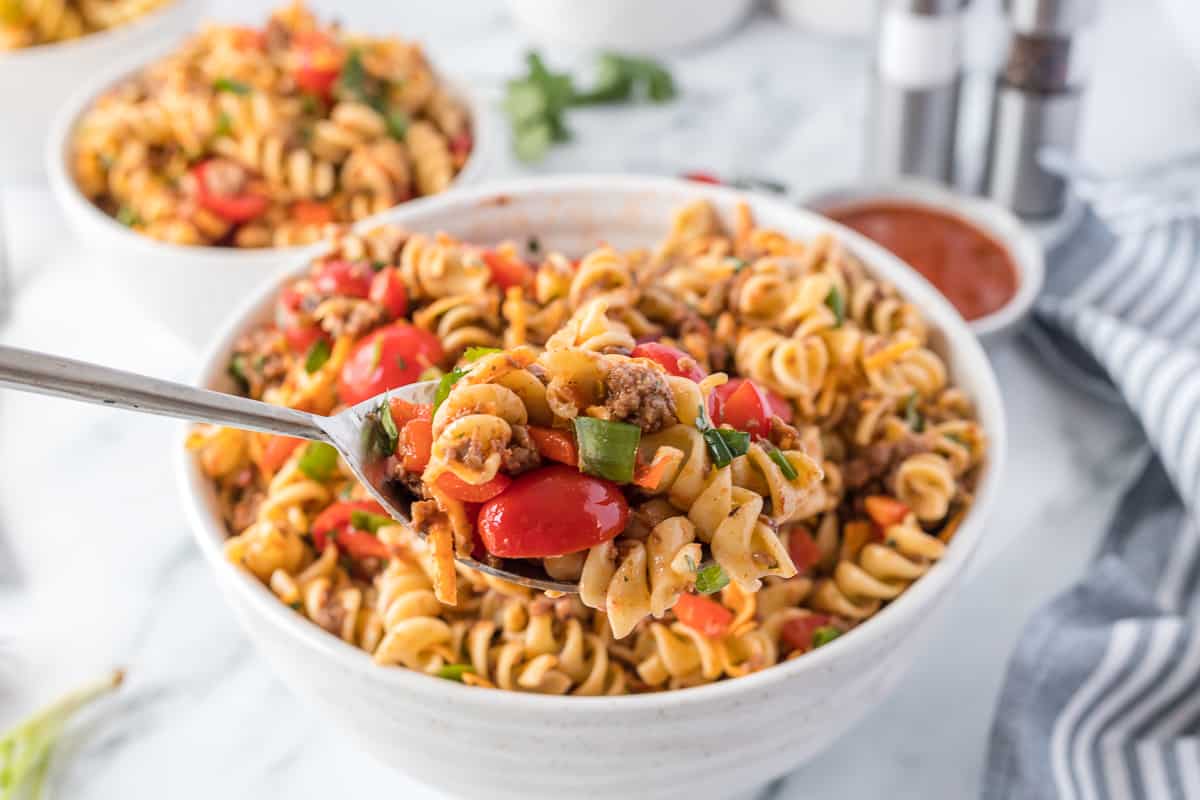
x: 739, y: 445
x: 29, y: 23
x: 264, y: 137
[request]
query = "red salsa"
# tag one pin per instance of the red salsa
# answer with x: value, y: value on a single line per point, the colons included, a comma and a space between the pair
x: 973, y: 270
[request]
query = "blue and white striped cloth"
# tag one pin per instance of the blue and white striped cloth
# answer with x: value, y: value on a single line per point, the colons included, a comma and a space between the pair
x: 1102, y: 697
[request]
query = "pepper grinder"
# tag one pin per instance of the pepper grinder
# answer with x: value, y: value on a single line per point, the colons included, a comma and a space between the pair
x: 1039, y: 95
x: 915, y: 88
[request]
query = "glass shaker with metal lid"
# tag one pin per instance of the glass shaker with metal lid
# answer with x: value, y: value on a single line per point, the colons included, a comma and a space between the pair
x: 1039, y: 96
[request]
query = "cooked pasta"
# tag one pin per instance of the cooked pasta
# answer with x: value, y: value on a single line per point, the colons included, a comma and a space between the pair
x: 265, y: 138
x: 28, y: 23
x: 739, y: 445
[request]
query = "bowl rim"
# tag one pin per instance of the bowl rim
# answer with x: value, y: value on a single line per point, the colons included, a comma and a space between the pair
x: 209, y: 531
x: 993, y: 219
x: 100, y: 39
x: 56, y: 158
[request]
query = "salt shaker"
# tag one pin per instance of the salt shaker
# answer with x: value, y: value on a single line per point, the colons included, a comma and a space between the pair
x: 915, y: 87
x: 1039, y: 95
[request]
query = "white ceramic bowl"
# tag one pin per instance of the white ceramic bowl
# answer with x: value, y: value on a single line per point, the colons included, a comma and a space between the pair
x: 709, y: 741
x: 34, y: 81
x: 1021, y: 242
x: 635, y: 25
x: 191, y: 289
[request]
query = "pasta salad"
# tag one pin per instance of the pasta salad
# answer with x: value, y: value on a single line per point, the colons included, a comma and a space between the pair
x: 248, y: 137
x: 739, y: 445
x: 28, y: 23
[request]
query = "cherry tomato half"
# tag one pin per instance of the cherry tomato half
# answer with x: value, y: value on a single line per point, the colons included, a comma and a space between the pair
x: 346, y: 278
x: 885, y: 511
x: 803, y: 550
x: 507, y: 271
x: 555, y: 445
x: 673, y: 360
x: 747, y: 406
x: 336, y: 519
x: 240, y: 207
x: 318, y: 62
x: 459, y: 489
x: 387, y: 289
x: 415, y: 444
x: 703, y: 614
x: 277, y: 450
x: 392, y: 356
x: 552, y: 511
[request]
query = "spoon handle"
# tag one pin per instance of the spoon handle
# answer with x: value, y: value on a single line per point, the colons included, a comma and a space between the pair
x: 42, y: 373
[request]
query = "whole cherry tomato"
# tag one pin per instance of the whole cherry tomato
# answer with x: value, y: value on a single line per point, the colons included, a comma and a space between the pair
x: 392, y: 356
x: 703, y: 614
x: 387, y: 289
x: 242, y: 206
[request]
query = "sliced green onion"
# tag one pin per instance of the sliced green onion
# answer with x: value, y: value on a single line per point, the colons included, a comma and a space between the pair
x: 738, y: 264
x: 476, y: 353
x: 912, y: 417
x: 837, y: 304
x: 230, y: 85
x: 781, y: 461
x: 445, y: 385
x: 366, y: 521
x: 297, y: 605
x: 956, y: 438
x: 128, y: 217
x: 454, y: 672
x: 224, y: 125
x: 607, y: 449
x: 397, y: 123
x: 738, y: 442
x: 318, y: 354
x: 824, y: 635
x: 319, y: 460
x: 237, y: 371
x: 378, y: 266
x: 389, y: 425
x: 711, y: 579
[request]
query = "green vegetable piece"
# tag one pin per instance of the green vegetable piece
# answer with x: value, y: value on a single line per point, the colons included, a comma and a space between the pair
x: 388, y: 425
x: 230, y: 85
x: 454, y: 672
x: 912, y: 417
x: 717, y: 448
x: 781, y: 461
x: 711, y: 579
x: 607, y: 449
x: 26, y: 748
x: 446, y: 384
x: 837, y: 304
x: 660, y: 86
x: 366, y: 521
x: 824, y: 635
x: 318, y: 354
x: 476, y: 353
x: 128, y: 217
x: 297, y: 605
x: 739, y: 264
x: 397, y: 123
x: 738, y: 442
x: 237, y: 371
x: 224, y: 125
x: 309, y: 104
x: 532, y: 141
x: 319, y: 460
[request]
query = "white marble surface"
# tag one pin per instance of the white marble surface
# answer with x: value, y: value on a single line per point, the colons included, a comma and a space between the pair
x: 97, y: 568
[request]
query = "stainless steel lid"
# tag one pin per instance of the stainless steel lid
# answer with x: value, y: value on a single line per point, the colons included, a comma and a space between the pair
x: 1050, y: 17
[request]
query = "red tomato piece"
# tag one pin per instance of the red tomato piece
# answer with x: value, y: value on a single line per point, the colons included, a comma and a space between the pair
x: 403, y: 411
x: 747, y: 406
x: 803, y: 550
x: 240, y: 207
x: 673, y: 360
x: 392, y: 356
x: 318, y: 62
x: 301, y: 337
x: 885, y: 511
x: 703, y: 614
x: 336, y: 519
x: 461, y: 145
x: 552, y: 511
x: 459, y: 489
x: 702, y: 177
x: 312, y: 212
x: 798, y: 633
x: 506, y: 271
x: 347, y: 278
x: 277, y: 450
x: 290, y: 298
x: 361, y: 544
x: 555, y: 445
x: 387, y: 289
x: 415, y: 444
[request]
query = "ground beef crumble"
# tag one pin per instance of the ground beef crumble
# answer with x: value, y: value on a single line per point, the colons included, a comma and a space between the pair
x: 877, y: 462
x: 640, y: 395
x: 521, y: 455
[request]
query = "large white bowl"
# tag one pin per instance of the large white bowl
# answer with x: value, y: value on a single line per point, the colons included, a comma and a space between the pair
x: 645, y: 26
x: 709, y: 741
x: 190, y: 290
x: 34, y: 81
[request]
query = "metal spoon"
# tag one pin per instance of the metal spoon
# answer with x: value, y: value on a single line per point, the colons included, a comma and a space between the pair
x: 354, y: 432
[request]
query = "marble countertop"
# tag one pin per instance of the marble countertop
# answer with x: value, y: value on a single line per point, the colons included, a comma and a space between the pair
x: 98, y: 569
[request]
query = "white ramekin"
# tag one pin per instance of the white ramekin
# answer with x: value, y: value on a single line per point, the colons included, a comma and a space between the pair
x: 191, y: 289
x: 1024, y: 247
x: 34, y: 81
x: 636, y: 25
x: 709, y: 741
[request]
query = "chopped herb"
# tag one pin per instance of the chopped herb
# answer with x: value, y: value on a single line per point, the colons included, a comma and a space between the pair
x: 309, y: 104
x: 738, y: 442
x: 476, y: 353
x: 912, y: 417
x: 824, y: 635
x: 366, y: 521
x: 378, y: 266
x: 785, y: 466
x: 397, y: 123
x: 711, y: 579
x: 237, y: 371
x: 318, y: 354
x: 128, y: 217
x: 454, y: 672
x: 355, y: 82
x: 607, y: 449
x: 837, y: 304
x: 296, y: 606
x: 738, y: 264
x: 224, y: 125
x: 230, y: 85
x: 388, y: 424
x: 724, y: 444
x: 319, y: 460
x: 446, y: 384
x: 955, y: 437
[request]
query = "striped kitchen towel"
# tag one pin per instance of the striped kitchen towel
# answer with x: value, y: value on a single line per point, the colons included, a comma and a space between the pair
x: 1102, y: 696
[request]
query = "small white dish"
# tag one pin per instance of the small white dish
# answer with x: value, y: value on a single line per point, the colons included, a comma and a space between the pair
x: 188, y: 289
x: 718, y: 740
x: 1021, y: 243
x: 631, y: 25
x: 34, y: 81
